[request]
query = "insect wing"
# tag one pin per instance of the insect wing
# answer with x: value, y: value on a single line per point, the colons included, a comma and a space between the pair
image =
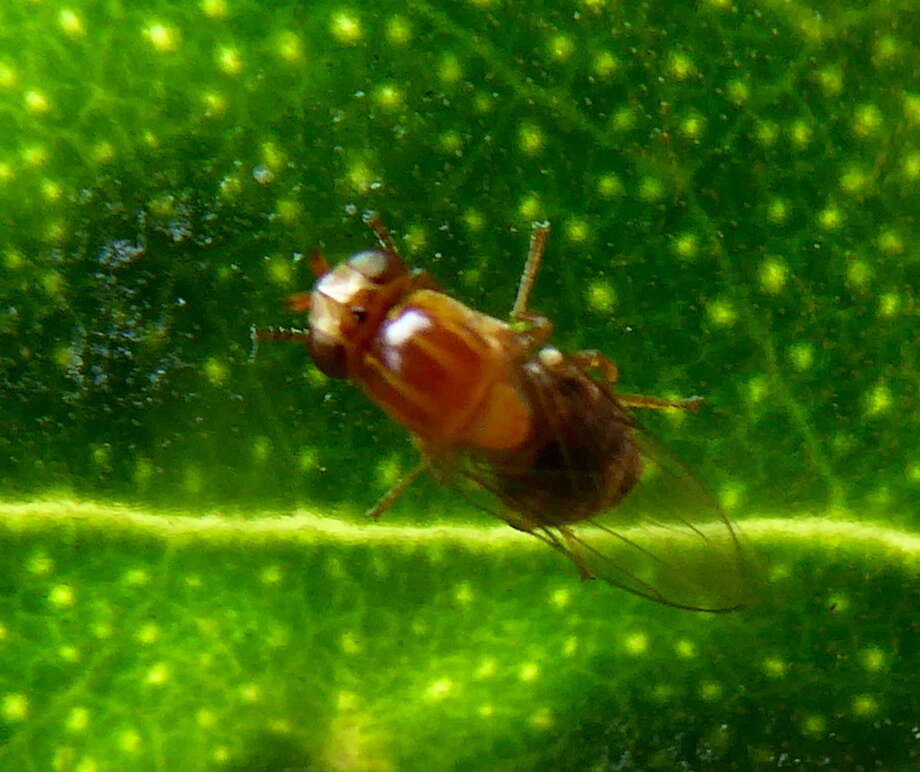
x: 668, y: 540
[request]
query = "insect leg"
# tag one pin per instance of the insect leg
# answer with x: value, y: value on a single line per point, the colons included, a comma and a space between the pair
x: 656, y: 403
x: 595, y: 360
x: 388, y: 498
x: 529, y: 276
x: 372, y: 219
x: 319, y: 265
x: 574, y: 551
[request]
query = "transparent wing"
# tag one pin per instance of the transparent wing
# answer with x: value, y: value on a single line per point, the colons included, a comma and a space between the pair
x: 667, y: 540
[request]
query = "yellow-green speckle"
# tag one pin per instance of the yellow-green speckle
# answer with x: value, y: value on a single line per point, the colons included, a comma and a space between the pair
x: 13, y: 261
x: 605, y: 64
x: 693, y: 126
x: 814, y: 725
x: 530, y: 207
x: 560, y: 47
x: 439, y: 689
x: 215, y: 103
x: 250, y: 693
x: 757, y: 389
x: 77, y: 720
x: 560, y: 598
x: 910, y: 166
x: 159, y: 674
x: 623, y: 119
x: 416, y: 238
x: 229, y: 60
x: 215, y: 371
x: 873, y: 659
x: 215, y: 9
x: 830, y: 80
x: 289, y: 47
x: 738, y: 91
x: 721, y: 313
x: 71, y: 23
x: 450, y: 142
x: 399, y: 31
x: 162, y: 37
x: 541, y: 719
x: 473, y: 220
x: 800, y: 133
x: 680, y: 66
x: 148, y: 633
x: 449, y: 70
x: 766, y: 132
x: 577, y: 230
x: 778, y: 211
x: 886, y: 50
x: 485, y: 669
x: 271, y: 575
x: 867, y: 121
x: 136, y: 577
x: 289, y: 211
x: 890, y: 242
x: 610, y: 186
x: 230, y: 186
x: 651, y: 189
x: 531, y: 139
x: 912, y: 108
x: 69, y: 654
x: 685, y: 649
x: 361, y: 177
x: 40, y: 564
x: 685, y: 245
x: 830, y: 218
x: 528, y: 672
x: 463, y: 594
x: 710, y: 691
x: 636, y: 644
x: 878, y: 401
x: 62, y: 596
x: 865, y: 706
x: 280, y: 271
x: 731, y: 494
x: 129, y: 741
x: 802, y: 356
x: 773, y: 275
x: 854, y: 179
x: 261, y: 449
x: 774, y: 667
x: 889, y: 304
x: 14, y: 706
x: 35, y: 155
x: 345, y: 27
x: 36, y: 101
x: 388, y: 96
x: 859, y: 274
x: 602, y: 296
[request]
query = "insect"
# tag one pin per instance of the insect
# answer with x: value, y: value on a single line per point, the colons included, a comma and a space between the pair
x: 544, y: 432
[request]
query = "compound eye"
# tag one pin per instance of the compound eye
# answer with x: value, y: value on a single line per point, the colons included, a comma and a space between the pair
x: 376, y: 266
x: 328, y: 354
x: 359, y: 314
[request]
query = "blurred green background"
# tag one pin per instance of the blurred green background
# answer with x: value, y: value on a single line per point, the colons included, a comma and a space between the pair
x: 186, y: 580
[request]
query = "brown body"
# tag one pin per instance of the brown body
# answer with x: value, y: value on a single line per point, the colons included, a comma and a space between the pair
x: 541, y: 430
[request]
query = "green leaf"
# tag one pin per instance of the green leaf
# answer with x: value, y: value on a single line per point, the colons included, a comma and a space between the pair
x: 186, y: 579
